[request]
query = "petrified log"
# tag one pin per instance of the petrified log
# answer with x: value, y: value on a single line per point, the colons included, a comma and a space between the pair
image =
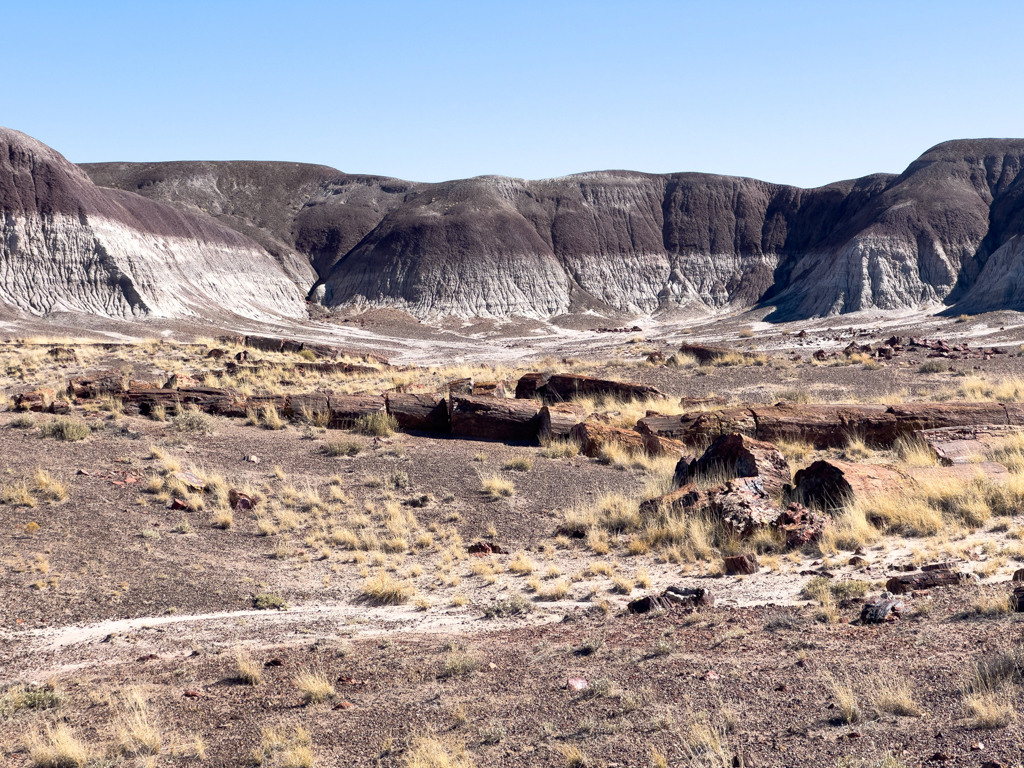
x: 910, y: 582
x: 562, y: 387
x: 704, y: 353
x: 182, y: 381
x: 1017, y: 599
x: 915, y: 416
x: 593, y: 437
x: 531, y: 385
x: 347, y: 409
x: 881, y: 609
x: 800, y: 525
x: 264, y: 343
x: 111, y: 383
x: 833, y: 484
x: 986, y: 470
x: 689, y: 597
x: 36, y: 400
x: 743, y: 505
x: 648, y: 604
x: 965, y: 445
x: 494, y: 418
x: 460, y: 387
x: 699, y: 426
x: 736, y: 455
x: 677, y: 502
x: 418, y: 412
x: 221, y: 402
x: 311, y: 406
x: 489, y: 388
x: 825, y: 426
x: 557, y: 420
x: 666, y: 446
x: 745, y: 564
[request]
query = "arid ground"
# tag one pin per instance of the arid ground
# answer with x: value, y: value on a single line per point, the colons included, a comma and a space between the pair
x: 342, y: 621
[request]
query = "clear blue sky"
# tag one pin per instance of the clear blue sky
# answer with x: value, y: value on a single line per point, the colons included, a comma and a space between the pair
x: 795, y: 92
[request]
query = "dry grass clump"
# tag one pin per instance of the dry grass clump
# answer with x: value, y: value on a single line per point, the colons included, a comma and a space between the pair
x: 977, y: 389
x: 1009, y: 452
x: 192, y: 420
x: 521, y: 564
x: 559, y: 449
x: 989, y: 709
x: 67, y: 430
x: 914, y: 452
x: 44, y: 484
x: 383, y: 589
x: 847, y: 707
x: 58, y: 747
x: 314, y: 686
x: 341, y: 448
x: 519, y: 464
x: 574, y: 756
x: 459, y: 664
x: 894, y: 696
x: 432, y: 752
x: 378, y: 424
x: 137, y: 734
x: 497, y: 487
x: 247, y: 669
x: 795, y: 451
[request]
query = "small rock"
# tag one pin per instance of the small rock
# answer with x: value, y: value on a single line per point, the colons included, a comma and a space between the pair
x: 857, y: 561
x: 711, y: 675
x: 274, y: 662
x: 344, y: 705
x: 577, y: 684
x: 253, y: 459
x: 194, y: 694
x: 179, y: 504
x: 939, y: 757
x: 977, y: 746
x: 745, y: 564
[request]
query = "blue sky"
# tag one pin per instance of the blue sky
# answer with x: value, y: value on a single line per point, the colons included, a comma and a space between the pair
x: 794, y: 92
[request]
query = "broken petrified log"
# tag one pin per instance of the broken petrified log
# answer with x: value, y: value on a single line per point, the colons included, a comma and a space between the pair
x: 419, y: 412
x: 677, y: 503
x: 313, y: 407
x: 264, y: 343
x: 825, y: 426
x: 916, y: 416
x: 562, y: 387
x: 221, y: 402
x: 800, y: 525
x: 346, y: 410
x: 742, y: 505
x: 494, y: 418
x: 648, y: 604
x: 965, y: 445
x: 736, y: 455
x: 745, y: 564
x: 63, y: 354
x: 594, y: 437
x: 666, y: 446
x: 704, y: 353
x: 489, y: 388
x: 881, y: 609
x: 109, y: 384
x: 36, y: 400
x: 833, y: 484
x: 531, y: 385
x: 557, y: 420
x: 910, y: 582
x: 690, y: 597
x: 1017, y: 599
x: 698, y: 426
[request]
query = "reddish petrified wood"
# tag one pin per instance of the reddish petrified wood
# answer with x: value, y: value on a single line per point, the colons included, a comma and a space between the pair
x: 557, y: 420
x: 985, y: 470
x: 745, y: 564
x: 347, y: 409
x: 915, y: 416
x: 736, y: 455
x: 832, y: 484
x: 531, y: 385
x: 593, y: 437
x: 419, y: 412
x: 825, y: 426
x: 110, y: 383
x: 561, y: 387
x: 910, y: 582
x: 494, y: 418
x: 964, y: 445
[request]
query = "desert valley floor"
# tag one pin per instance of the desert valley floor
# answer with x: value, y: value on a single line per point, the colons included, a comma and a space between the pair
x: 223, y: 573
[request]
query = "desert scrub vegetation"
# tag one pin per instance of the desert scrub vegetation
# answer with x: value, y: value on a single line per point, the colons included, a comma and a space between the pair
x: 30, y: 697
x: 247, y: 669
x: 266, y: 601
x: 496, y: 486
x: 193, y: 421
x: 432, y: 752
x: 341, y: 448
x: 314, y: 686
x: 384, y: 589
x: 559, y: 449
x: 519, y: 464
x: 376, y: 425
x: 58, y: 746
x: 68, y: 430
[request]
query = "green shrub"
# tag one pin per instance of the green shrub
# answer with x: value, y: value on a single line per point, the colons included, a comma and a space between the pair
x: 66, y: 429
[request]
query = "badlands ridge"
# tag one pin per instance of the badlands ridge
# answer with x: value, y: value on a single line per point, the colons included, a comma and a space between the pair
x: 257, y: 240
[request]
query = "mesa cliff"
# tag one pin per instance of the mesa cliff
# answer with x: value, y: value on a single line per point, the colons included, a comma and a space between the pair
x: 944, y: 232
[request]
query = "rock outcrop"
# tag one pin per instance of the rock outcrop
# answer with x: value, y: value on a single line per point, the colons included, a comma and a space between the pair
x: 68, y: 245
x: 946, y: 229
